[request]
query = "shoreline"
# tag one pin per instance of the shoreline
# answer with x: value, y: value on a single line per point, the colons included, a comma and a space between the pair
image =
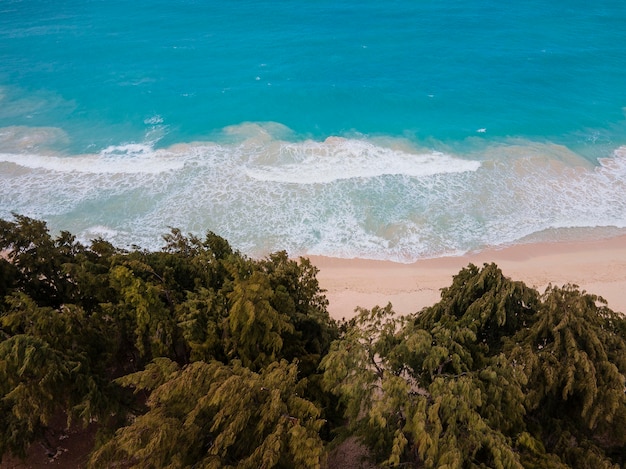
x: 597, y: 266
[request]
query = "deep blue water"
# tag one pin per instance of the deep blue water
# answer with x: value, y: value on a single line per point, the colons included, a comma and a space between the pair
x: 395, y: 130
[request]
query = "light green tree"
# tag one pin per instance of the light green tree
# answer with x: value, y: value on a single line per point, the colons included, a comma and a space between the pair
x: 212, y: 415
x: 256, y: 328
x: 494, y: 375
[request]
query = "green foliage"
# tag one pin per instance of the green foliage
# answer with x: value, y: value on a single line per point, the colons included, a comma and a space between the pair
x: 494, y: 375
x: 217, y: 416
x: 37, y: 258
x: 234, y: 362
x: 297, y: 294
x: 75, y: 318
x: 576, y: 364
x: 154, y: 327
x: 52, y: 361
x: 255, y: 326
x: 32, y: 379
x: 202, y: 320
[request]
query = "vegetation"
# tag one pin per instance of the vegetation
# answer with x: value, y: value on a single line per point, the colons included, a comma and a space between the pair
x: 494, y: 375
x: 197, y: 356
x: 222, y: 352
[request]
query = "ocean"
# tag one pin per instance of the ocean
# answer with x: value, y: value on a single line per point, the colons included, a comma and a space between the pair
x: 394, y: 130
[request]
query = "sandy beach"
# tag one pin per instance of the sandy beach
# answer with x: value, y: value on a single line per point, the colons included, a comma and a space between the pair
x: 597, y: 266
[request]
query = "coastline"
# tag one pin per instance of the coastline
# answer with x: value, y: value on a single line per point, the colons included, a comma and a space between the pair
x: 597, y: 266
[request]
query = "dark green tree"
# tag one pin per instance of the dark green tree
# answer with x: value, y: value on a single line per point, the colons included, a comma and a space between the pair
x: 38, y: 260
x: 203, y: 320
x: 52, y: 363
x: 297, y: 294
x: 82, y: 316
x: 140, y: 303
x: 575, y: 359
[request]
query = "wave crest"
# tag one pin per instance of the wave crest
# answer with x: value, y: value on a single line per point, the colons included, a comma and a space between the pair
x: 338, y: 158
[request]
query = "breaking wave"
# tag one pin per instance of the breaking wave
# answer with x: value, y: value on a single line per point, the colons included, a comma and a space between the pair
x: 345, y: 197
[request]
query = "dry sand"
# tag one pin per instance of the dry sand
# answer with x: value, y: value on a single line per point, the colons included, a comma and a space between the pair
x: 597, y: 266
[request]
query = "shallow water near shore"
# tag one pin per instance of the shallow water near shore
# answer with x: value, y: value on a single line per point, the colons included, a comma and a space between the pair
x: 386, y: 131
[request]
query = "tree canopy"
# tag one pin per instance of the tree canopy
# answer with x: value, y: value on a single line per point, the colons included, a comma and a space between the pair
x: 494, y: 375
x: 83, y: 326
x: 198, y: 356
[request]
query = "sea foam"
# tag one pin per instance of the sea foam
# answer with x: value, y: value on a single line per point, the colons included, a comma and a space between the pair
x: 344, y: 196
x: 338, y: 158
x: 120, y: 159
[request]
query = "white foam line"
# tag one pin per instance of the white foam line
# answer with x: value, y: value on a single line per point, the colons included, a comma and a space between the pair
x: 314, y: 163
x: 96, y: 164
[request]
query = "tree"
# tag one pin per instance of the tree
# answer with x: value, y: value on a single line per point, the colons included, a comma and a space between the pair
x: 218, y: 416
x: 442, y: 416
x: 86, y: 315
x: 52, y: 362
x: 38, y: 259
x: 256, y: 328
x: 235, y: 361
x: 297, y: 294
x: 494, y: 375
x: 202, y: 318
x: 575, y: 359
x: 33, y: 378
x: 140, y: 305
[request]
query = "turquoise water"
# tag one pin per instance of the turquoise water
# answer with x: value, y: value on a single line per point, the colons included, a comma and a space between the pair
x: 395, y: 130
